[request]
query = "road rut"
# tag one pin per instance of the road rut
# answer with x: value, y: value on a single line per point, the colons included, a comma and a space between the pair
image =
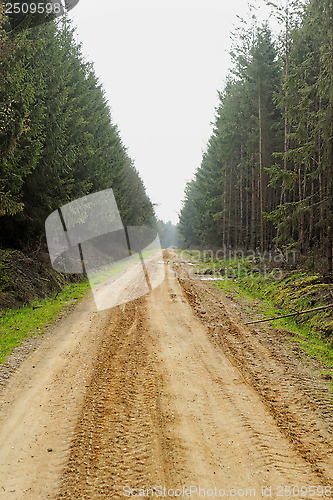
x: 162, y: 399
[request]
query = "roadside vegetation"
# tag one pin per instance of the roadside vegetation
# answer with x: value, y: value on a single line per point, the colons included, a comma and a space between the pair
x: 274, y: 292
x: 16, y: 325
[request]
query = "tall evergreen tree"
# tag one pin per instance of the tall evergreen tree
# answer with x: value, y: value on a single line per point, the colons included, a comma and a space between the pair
x: 57, y: 138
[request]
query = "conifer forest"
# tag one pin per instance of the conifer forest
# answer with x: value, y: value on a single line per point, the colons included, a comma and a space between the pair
x: 266, y: 178
x: 58, y: 141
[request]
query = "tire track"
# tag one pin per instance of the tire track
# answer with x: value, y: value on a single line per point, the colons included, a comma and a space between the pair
x: 282, y: 386
x: 118, y: 437
x: 229, y: 437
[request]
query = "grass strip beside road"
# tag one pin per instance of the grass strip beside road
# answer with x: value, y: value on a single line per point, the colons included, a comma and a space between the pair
x: 16, y: 325
x: 296, y: 290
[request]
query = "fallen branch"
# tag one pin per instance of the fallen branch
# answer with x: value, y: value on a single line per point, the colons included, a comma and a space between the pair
x: 290, y: 315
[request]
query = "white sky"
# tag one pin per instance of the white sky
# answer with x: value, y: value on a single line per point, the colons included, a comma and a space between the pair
x: 161, y: 63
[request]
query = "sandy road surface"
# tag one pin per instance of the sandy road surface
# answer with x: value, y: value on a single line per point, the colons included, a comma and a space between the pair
x: 169, y: 390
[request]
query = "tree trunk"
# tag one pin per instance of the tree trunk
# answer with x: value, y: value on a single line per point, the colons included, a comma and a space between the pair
x: 261, y: 191
x: 253, y: 209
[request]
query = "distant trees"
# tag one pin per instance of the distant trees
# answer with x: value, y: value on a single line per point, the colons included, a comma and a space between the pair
x: 189, y: 226
x: 168, y: 234
x: 267, y: 175
x: 57, y: 139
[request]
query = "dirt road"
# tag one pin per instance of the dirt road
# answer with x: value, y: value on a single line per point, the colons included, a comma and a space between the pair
x: 168, y: 391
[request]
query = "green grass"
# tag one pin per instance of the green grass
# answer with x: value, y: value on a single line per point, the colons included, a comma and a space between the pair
x: 16, y: 325
x: 106, y: 273
x: 294, y: 291
x: 19, y: 324
x: 305, y: 332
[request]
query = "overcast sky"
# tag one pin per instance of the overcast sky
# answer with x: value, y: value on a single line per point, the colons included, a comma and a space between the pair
x: 161, y: 63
